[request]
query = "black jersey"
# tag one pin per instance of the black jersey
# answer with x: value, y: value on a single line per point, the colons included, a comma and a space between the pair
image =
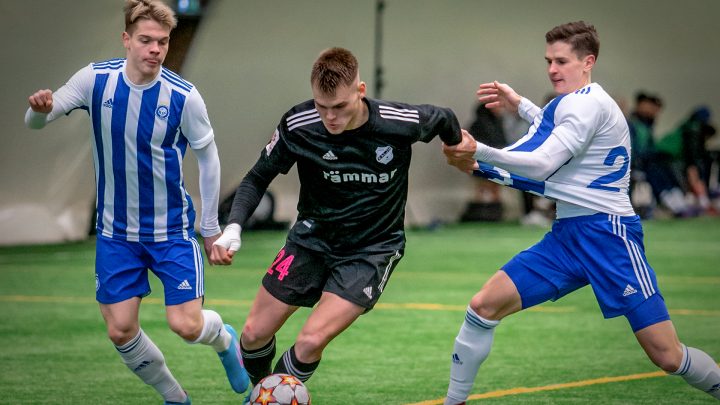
x: 353, y: 185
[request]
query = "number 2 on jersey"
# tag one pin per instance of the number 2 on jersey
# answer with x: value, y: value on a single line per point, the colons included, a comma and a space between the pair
x: 603, y: 181
x: 281, y: 265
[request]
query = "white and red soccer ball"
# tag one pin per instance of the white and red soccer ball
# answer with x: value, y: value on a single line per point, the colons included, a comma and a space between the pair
x: 280, y: 389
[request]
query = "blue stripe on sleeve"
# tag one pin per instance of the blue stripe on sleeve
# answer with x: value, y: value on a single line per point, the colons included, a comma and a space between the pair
x: 544, y: 129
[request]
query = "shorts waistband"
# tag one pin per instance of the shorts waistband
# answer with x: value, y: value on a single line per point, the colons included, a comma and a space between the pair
x: 597, y: 217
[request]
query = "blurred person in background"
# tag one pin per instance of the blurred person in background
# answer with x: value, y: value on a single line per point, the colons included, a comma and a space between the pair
x: 686, y: 147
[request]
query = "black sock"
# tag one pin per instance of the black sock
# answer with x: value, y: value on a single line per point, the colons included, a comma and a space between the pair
x: 289, y: 364
x: 257, y: 362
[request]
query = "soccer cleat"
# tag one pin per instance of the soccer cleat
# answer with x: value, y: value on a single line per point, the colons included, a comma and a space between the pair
x: 246, y: 400
x: 187, y: 401
x: 232, y: 361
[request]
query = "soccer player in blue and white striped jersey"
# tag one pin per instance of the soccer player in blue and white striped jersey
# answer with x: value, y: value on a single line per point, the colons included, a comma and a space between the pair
x: 143, y: 119
x: 576, y: 152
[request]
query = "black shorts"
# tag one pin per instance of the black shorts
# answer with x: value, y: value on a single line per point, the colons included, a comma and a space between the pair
x: 298, y: 275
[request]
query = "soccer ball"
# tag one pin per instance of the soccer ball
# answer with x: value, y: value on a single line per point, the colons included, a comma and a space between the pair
x: 280, y: 389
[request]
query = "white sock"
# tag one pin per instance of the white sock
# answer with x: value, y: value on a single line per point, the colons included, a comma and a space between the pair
x: 700, y: 370
x: 144, y: 359
x: 213, y: 332
x: 472, y: 347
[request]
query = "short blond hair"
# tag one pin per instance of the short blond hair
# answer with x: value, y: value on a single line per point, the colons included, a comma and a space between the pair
x: 148, y: 10
x: 334, y: 67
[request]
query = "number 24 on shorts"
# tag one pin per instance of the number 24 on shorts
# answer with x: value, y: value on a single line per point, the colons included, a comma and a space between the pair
x: 281, y: 265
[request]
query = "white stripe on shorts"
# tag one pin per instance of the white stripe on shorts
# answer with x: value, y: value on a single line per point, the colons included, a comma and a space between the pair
x: 393, y: 259
x: 199, y: 281
x: 641, y: 272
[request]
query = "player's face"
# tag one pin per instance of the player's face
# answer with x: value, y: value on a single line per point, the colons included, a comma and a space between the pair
x: 567, y: 71
x: 146, y: 48
x: 343, y: 110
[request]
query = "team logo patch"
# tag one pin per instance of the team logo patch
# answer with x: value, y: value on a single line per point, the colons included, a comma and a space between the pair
x: 162, y: 112
x: 384, y: 154
x: 273, y: 141
x: 97, y: 283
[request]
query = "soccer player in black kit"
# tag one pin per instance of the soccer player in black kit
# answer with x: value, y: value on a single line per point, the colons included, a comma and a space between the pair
x: 353, y: 156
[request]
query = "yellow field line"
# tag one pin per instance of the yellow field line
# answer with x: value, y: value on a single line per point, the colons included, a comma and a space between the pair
x: 552, y: 387
x: 149, y: 300
x: 393, y: 306
x: 415, y: 306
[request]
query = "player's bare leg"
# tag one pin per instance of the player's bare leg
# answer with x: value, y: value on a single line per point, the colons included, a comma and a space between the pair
x: 331, y: 316
x: 497, y: 299
x: 137, y: 351
x: 266, y: 317
x: 186, y: 319
x: 204, y: 326
x: 663, y: 347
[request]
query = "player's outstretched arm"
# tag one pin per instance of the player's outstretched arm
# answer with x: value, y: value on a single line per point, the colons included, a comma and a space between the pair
x: 496, y: 94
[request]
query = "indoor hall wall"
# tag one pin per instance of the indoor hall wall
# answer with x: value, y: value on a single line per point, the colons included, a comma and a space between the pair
x: 251, y: 61
x: 47, y: 180
x: 255, y: 56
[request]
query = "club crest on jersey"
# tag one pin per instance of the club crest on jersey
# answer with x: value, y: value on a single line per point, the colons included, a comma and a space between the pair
x: 384, y: 154
x: 162, y: 112
x: 273, y: 141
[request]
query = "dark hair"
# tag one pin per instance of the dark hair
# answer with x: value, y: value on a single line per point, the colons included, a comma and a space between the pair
x: 652, y: 98
x: 333, y: 68
x: 581, y: 36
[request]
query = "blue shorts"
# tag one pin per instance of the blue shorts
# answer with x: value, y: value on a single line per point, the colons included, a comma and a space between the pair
x: 121, y: 269
x: 605, y: 251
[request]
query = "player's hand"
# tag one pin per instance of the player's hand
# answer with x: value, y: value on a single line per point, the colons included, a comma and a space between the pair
x: 498, y: 95
x: 41, y: 101
x: 461, y: 155
x: 224, y: 248
x: 208, y: 244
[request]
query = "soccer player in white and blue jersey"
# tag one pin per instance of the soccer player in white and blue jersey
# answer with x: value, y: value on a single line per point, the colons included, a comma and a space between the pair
x: 576, y: 152
x: 143, y: 119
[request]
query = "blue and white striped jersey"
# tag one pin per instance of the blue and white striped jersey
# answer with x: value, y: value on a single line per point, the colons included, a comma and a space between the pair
x: 140, y: 135
x: 592, y: 127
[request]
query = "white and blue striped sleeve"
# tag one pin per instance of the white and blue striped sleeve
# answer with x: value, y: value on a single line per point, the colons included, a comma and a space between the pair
x: 195, y: 123
x: 527, y: 110
x: 73, y: 94
x: 537, y: 164
x: 577, y: 118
